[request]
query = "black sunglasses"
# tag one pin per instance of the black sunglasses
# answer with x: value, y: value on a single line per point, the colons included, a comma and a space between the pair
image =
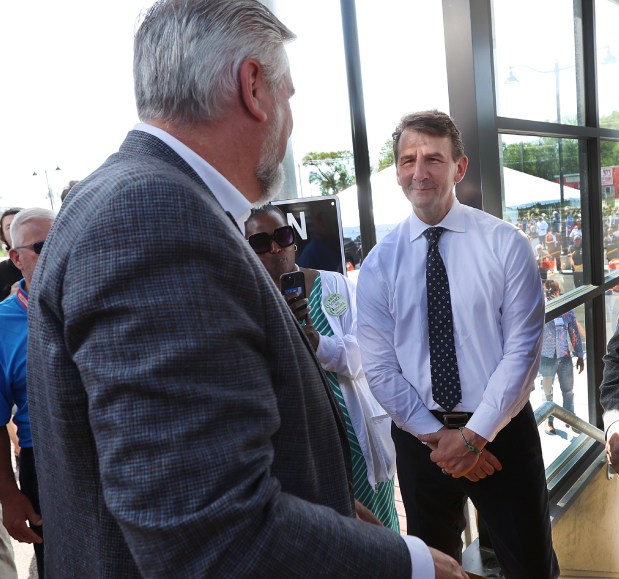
x: 261, y: 242
x: 36, y: 247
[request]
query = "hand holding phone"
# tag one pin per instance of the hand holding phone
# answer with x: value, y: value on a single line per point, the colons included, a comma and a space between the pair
x: 293, y: 289
x: 292, y: 282
x: 292, y: 286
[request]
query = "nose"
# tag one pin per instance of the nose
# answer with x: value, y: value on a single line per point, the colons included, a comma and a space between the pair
x: 275, y: 248
x: 421, y: 171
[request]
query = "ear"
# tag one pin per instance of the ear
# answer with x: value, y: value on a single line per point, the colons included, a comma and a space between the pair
x: 463, y: 163
x: 14, y: 257
x: 255, y: 93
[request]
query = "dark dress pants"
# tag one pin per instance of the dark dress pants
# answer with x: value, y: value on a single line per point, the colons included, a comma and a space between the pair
x: 30, y: 487
x: 513, y: 502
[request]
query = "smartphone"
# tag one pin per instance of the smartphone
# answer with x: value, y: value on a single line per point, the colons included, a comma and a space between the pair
x: 293, y: 282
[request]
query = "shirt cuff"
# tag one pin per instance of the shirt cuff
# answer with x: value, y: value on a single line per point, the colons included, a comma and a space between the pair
x: 614, y: 427
x: 421, y: 560
x: 487, y: 422
x: 424, y: 421
x: 611, y: 419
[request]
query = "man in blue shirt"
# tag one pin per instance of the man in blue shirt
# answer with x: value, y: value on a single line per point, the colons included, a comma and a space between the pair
x: 561, y: 338
x: 29, y: 230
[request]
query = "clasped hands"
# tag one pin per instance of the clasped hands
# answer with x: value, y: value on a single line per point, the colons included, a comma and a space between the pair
x: 450, y: 453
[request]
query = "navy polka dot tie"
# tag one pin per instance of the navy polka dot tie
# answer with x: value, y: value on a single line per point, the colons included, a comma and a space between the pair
x: 443, y: 363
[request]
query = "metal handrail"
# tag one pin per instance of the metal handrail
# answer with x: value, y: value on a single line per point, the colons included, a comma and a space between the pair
x: 543, y: 411
x: 548, y: 408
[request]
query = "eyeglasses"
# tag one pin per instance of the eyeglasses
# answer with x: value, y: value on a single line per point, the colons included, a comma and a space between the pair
x: 261, y: 242
x: 36, y: 247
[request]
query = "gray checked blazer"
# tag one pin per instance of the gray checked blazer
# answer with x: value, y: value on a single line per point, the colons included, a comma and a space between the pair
x: 609, y: 388
x: 182, y: 426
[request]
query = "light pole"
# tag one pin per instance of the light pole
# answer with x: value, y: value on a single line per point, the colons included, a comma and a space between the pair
x: 50, y: 194
x: 556, y: 70
x: 511, y: 79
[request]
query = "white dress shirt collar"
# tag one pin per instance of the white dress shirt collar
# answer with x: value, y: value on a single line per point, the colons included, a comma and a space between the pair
x: 454, y: 221
x: 228, y: 196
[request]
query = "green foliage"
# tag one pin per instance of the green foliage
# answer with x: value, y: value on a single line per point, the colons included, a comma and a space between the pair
x: 541, y: 157
x: 386, y: 157
x: 610, y: 121
x: 609, y: 153
x: 332, y: 171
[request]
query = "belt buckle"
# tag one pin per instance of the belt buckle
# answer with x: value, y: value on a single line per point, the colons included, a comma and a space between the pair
x: 455, y: 419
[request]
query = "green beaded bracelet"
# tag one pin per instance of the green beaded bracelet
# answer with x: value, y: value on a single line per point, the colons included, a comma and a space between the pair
x: 468, y: 444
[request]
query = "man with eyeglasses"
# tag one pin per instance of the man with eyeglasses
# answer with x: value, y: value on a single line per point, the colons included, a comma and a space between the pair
x: 29, y: 230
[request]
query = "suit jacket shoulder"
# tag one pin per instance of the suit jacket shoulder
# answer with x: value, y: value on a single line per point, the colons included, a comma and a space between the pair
x: 181, y: 424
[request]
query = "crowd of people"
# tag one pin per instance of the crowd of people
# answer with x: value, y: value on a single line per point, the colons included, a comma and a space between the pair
x: 189, y: 420
x: 556, y: 243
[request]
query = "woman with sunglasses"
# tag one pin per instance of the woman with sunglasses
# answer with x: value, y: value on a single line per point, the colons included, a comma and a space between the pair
x: 330, y: 329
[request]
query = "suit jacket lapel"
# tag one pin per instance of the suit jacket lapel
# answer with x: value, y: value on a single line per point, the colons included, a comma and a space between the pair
x: 339, y: 418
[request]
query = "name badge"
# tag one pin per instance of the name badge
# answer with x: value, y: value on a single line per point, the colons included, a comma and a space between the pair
x: 335, y: 304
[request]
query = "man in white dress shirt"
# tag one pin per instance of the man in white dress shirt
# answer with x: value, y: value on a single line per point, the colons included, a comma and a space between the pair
x: 485, y: 445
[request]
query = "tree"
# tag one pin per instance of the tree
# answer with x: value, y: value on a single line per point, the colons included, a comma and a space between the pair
x: 385, y: 156
x: 610, y: 121
x: 541, y: 157
x: 331, y: 170
x: 609, y: 153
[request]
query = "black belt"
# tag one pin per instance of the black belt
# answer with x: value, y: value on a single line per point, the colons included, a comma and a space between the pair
x: 452, y: 419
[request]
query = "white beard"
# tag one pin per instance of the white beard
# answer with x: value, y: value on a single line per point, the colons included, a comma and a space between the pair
x: 270, y: 171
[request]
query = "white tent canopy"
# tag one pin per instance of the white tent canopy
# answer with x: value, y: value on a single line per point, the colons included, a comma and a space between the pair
x: 391, y: 206
x: 523, y: 190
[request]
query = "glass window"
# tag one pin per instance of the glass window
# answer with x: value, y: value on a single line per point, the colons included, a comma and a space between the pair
x: 562, y: 377
x: 612, y: 311
x: 539, y: 79
x: 320, y: 151
x: 319, y: 159
x: 542, y: 195
x: 396, y: 83
x: 607, y: 18
x: 609, y: 155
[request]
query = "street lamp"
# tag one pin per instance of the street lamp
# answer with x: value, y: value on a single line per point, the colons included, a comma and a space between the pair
x: 556, y: 70
x: 49, y: 189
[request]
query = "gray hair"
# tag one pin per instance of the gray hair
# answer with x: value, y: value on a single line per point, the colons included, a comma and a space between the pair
x: 26, y: 216
x: 188, y: 54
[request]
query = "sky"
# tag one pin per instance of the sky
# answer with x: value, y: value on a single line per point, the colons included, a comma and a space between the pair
x: 68, y: 96
x: 67, y: 92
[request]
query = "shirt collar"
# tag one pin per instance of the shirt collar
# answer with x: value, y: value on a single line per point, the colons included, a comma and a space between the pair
x: 228, y: 196
x: 22, y: 294
x: 454, y: 221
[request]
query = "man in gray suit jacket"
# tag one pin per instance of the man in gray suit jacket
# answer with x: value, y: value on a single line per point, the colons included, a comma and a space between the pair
x: 182, y: 424
x: 609, y: 398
